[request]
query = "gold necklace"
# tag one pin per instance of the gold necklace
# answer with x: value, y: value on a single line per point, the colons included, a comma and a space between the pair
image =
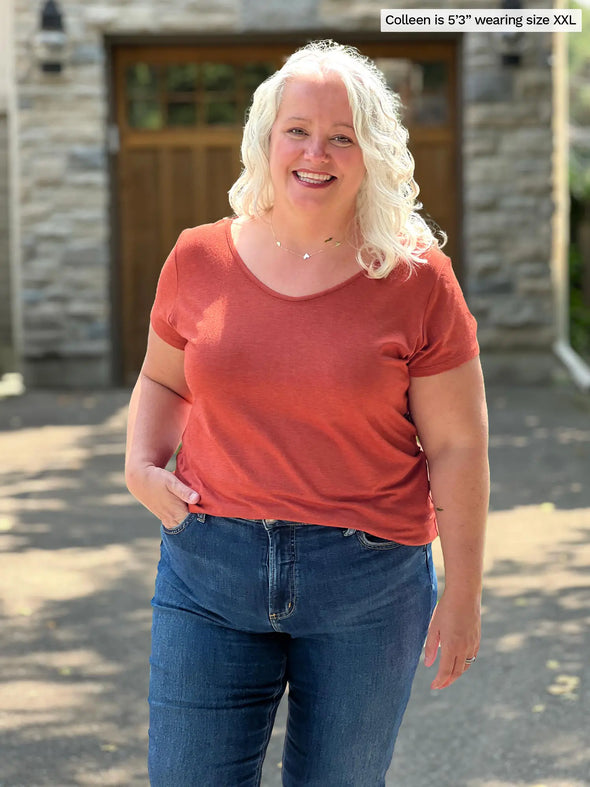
x: 308, y: 254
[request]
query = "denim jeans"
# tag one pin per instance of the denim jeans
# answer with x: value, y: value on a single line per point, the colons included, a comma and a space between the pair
x: 244, y: 607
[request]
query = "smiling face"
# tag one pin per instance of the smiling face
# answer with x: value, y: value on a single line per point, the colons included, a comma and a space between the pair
x: 316, y: 163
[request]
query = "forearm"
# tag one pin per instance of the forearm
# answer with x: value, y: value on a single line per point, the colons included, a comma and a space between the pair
x: 449, y: 411
x: 459, y: 480
x: 157, y: 418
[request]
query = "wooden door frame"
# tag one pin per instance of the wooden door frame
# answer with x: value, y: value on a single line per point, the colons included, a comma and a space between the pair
x: 391, y: 46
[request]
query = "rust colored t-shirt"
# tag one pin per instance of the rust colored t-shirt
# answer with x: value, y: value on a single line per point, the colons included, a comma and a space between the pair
x: 300, y: 408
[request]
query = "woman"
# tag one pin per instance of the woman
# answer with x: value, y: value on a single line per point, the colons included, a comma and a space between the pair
x: 300, y: 350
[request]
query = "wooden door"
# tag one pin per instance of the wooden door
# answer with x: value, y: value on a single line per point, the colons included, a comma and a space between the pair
x: 180, y: 113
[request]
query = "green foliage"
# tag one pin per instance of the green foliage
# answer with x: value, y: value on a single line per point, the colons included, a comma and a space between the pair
x: 579, y: 311
x: 579, y: 175
x: 579, y: 106
x: 579, y: 43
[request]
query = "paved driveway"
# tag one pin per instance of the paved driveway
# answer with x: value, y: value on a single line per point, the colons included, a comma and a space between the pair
x: 77, y: 563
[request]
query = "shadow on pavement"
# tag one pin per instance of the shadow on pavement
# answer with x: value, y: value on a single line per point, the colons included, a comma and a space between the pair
x: 78, y: 558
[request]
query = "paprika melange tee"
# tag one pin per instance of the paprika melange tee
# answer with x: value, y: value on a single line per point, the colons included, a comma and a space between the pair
x: 299, y: 404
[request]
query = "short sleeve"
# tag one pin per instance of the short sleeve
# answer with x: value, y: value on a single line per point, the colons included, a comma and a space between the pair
x: 449, y: 330
x: 162, y: 317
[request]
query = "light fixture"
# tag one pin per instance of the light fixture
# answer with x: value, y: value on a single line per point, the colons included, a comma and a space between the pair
x: 511, y: 43
x: 51, y: 40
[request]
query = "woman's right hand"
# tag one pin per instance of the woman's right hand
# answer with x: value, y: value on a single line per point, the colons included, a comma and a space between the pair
x: 162, y: 493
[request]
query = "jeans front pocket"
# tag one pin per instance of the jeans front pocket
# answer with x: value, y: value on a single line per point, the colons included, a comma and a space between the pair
x: 174, y: 531
x: 369, y: 541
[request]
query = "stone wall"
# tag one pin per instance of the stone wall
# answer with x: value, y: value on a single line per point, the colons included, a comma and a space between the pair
x: 507, y: 182
x: 7, y: 359
x: 506, y: 165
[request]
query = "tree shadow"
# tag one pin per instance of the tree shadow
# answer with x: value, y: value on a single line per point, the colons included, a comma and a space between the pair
x: 77, y: 564
x: 539, y: 447
x: 73, y: 688
x: 520, y: 716
x: 78, y: 558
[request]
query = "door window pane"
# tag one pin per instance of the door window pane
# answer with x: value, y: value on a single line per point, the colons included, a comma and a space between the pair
x: 182, y: 78
x: 221, y: 113
x: 255, y: 73
x: 143, y: 105
x: 187, y: 94
x: 142, y: 80
x: 218, y: 77
x: 182, y: 114
x: 146, y: 115
x: 423, y: 88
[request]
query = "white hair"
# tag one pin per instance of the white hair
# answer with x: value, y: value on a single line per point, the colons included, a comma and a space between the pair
x: 387, y: 219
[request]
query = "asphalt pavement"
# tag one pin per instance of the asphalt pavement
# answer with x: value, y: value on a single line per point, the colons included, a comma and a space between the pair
x: 77, y: 564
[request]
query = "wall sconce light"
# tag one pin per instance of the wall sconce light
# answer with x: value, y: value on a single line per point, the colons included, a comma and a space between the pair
x: 50, y: 41
x: 511, y: 43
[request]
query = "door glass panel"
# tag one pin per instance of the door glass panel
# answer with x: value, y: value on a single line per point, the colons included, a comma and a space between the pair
x: 187, y: 94
x: 182, y: 114
x: 142, y: 80
x: 191, y: 94
x: 218, y: 113
x: 218, y: 77
x: 423, y: 88
x: 143, y: 106
x: 182, y: 78
x: 145, y: 115
x: 255, y: 73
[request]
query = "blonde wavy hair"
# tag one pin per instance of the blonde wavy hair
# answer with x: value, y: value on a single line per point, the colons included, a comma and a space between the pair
x: 388, y: 223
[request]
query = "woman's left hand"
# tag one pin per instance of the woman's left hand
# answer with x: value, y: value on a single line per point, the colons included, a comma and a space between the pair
x: 455, y: 628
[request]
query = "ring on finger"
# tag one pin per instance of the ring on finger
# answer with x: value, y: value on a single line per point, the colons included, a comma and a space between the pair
x: 471, y: 660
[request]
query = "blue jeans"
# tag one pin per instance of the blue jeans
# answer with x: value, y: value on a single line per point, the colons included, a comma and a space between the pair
x: 243, y: 607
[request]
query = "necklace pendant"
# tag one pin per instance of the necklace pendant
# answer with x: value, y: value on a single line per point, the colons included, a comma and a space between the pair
x: 278, y: 242
x: 306, y: 256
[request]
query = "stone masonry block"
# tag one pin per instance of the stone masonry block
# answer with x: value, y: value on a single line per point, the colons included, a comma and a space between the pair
x: 495, y: 284
x: 490, y: 86
x: 516, y: 312
x: 539, y: 286
x: 273, y: 14
x: 482, y: 196
x: 83, y: 254
x: 512, y: 339
x: 479, y: 145
x: 526, y: 140
x: 86, y: 53
x: 484, y: 263
x: 82, y: 158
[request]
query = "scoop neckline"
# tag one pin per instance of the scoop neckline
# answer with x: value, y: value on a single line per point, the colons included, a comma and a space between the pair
x: 275, y: 293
